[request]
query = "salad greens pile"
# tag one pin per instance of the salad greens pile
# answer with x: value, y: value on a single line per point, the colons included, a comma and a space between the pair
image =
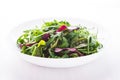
x: 58, y: 39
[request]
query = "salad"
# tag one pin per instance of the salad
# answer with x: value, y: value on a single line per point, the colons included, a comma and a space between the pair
x: 58, y: 39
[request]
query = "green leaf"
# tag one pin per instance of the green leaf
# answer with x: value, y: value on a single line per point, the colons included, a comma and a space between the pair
x: 34, y: 53
x: 52, y: 55
x: 64, y: 43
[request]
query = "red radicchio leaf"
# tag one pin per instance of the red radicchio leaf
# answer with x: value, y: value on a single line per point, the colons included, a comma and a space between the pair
x: 46, y: 36
x: 63, y: 27
x: 20, y: 45
x: 30, y: 44
x: 71, y: 50
x: 27, y: 44
x: 63, y: 49
x: 58, y: 50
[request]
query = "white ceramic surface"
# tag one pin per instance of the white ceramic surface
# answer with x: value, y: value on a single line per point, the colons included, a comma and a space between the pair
x: 50, y: 62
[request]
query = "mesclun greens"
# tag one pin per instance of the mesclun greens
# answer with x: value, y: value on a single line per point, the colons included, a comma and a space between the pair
x: 58, y: 39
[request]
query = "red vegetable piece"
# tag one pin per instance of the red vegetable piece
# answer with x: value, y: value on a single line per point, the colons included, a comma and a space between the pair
x: 58, y: 49
x: 71, y: 49
x: 27, y: 44
x: 21, y: 45
x: 46, y: 36
x: 62, y: 28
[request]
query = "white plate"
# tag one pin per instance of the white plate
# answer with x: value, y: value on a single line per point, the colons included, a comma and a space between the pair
x: 50, y: 62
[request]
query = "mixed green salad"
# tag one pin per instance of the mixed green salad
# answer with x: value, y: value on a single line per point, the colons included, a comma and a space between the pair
x: 58, y: 39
